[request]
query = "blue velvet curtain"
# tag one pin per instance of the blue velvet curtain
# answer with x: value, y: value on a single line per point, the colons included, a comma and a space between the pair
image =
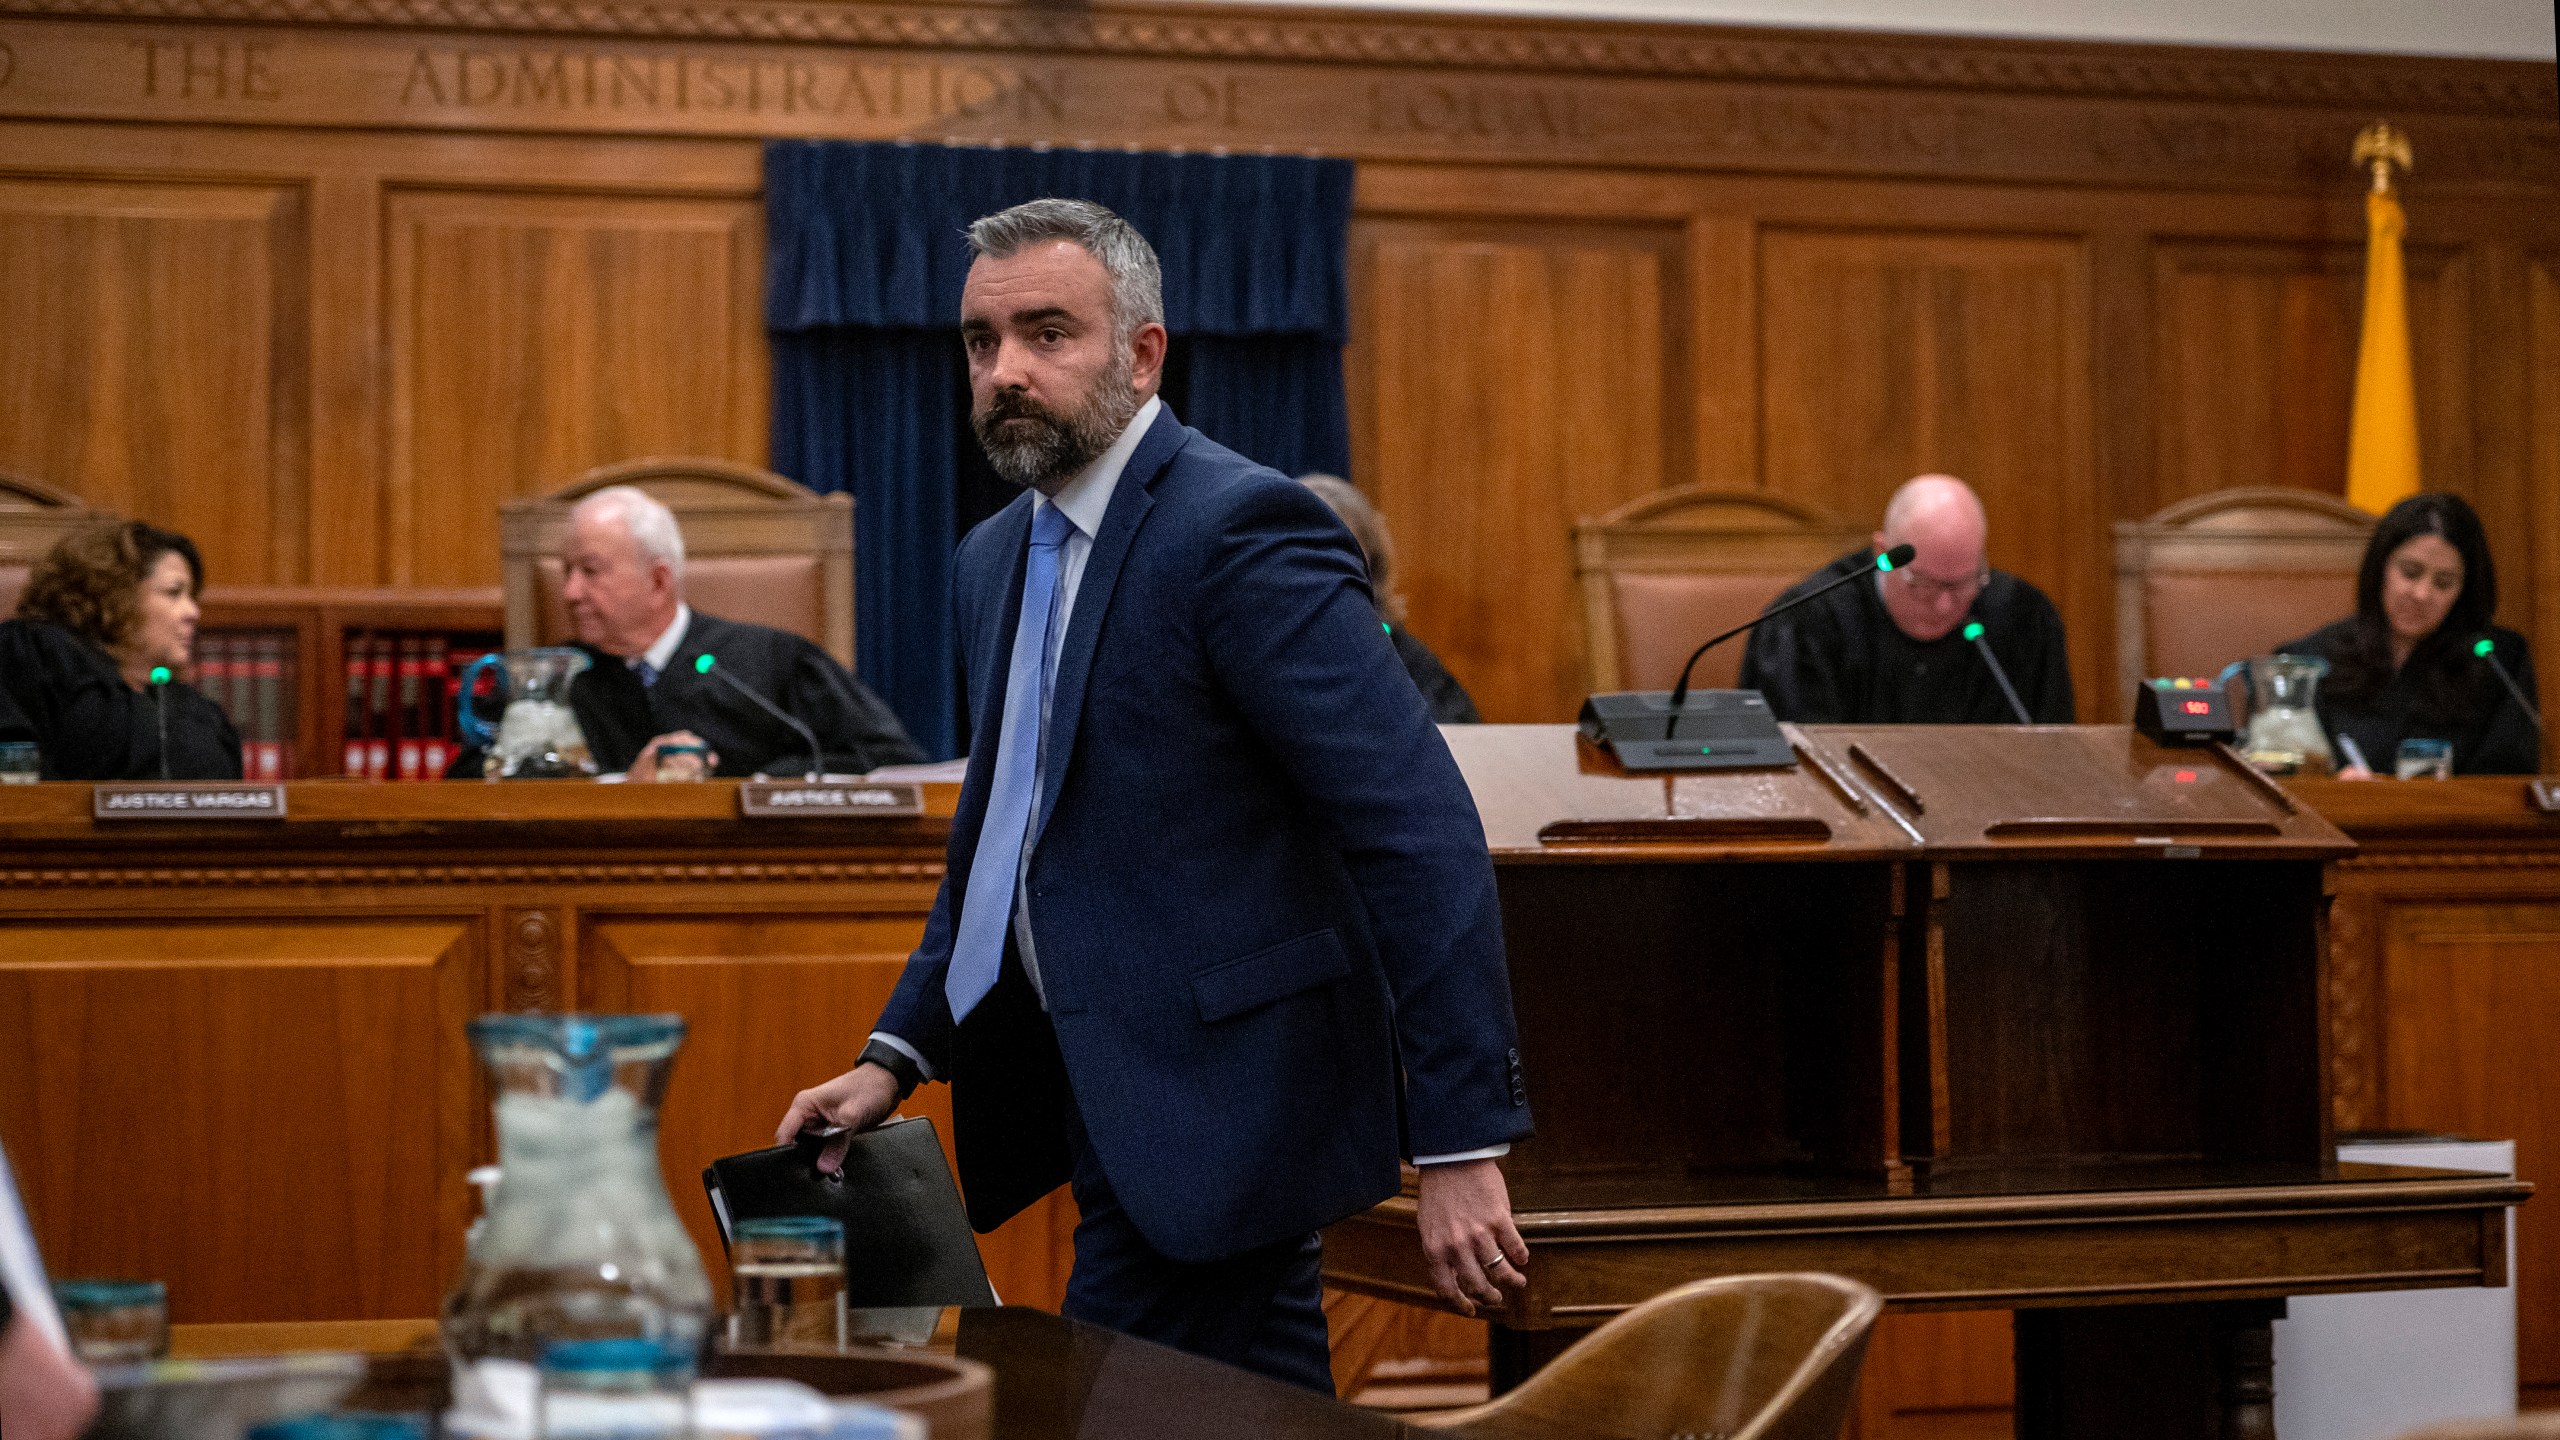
x: 862, y: 296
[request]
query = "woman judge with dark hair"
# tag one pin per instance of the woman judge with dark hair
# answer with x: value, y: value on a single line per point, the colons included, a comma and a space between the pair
x: 111, y: 607
x: 2405, y: 666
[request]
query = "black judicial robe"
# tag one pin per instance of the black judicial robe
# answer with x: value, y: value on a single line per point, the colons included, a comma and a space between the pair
x: 1842, y: 660
x: 620, y: 716
x: 2490, y: 735
x: 1449, y: 701
x: 68, y: 696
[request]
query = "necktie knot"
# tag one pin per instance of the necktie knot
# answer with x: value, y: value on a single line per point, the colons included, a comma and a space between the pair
x: 648, y: 673
x: 1051, y: 527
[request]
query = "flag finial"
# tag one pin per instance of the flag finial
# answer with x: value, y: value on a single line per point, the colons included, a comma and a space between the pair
x: 2382, y: 145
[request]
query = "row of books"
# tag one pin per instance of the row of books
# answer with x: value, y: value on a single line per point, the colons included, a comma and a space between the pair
x: 402, y: 690
x: 250, y: 675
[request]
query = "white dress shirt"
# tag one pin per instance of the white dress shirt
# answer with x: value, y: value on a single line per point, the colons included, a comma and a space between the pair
x: 662, y: 650
x: 1085, y: 500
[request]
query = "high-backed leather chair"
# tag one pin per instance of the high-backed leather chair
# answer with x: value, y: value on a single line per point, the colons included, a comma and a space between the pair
x: 33, y: 518
x: 1744, y: 1357
x: 757, y: 546
x: 1661, y: 574
x: 2224, y: 576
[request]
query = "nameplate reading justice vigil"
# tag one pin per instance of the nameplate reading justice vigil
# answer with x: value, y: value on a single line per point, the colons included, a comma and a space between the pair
x: 171, y: 800
x: 768, y: 799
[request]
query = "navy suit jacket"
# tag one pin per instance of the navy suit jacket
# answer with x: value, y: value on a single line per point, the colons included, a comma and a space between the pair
x: 1265, y: 914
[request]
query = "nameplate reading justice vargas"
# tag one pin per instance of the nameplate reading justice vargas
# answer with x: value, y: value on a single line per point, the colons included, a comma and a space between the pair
x: 766, y: 799
x: 173, y: 800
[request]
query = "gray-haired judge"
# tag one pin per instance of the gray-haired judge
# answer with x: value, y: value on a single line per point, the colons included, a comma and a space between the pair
x: 624, y: 558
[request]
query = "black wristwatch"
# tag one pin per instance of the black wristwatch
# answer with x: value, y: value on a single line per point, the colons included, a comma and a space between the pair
x: 901, y: 1067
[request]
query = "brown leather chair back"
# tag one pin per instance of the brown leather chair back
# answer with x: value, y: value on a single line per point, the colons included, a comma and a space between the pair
x: 758, y: 548
x: 33, y: 519
x: 2225, y: 576
x: 1661, y: 574
x: 1747, y: 1357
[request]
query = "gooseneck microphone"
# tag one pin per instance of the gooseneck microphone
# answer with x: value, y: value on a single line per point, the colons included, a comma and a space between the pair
x: 707, y: 665
x: 2017, y: 707
x: 2487, y: 649
x: 1899, y: 555
x: 160, y: 701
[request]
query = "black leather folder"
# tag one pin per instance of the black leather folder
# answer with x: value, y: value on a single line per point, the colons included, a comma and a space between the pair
x: 906, y: 1234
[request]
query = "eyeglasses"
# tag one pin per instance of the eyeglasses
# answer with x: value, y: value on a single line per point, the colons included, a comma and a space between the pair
x: 1929, y: 587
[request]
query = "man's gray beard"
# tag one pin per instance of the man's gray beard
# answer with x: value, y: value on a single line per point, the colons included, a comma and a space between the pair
x: 1062, y: 444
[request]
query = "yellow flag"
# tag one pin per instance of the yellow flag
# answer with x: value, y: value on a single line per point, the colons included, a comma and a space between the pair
x: 2382, y: 440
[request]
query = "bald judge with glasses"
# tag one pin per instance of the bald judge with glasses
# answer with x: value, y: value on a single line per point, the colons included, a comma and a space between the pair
x: 1908, y: 648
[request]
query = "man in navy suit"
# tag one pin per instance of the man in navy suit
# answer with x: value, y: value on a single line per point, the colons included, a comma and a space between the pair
x: 1218, y: 939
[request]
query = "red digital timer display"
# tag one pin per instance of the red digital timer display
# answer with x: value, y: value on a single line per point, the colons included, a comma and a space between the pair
x: 2196, y: 707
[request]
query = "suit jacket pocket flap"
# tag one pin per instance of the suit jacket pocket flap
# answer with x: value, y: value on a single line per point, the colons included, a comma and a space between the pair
x: 1238, y: 985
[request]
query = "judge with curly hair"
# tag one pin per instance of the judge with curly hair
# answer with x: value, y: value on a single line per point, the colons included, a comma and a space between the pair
x: 89, y: 666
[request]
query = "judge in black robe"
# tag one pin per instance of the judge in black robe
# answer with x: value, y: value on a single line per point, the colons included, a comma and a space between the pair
x: 1852, y: 657
x: 620, y: 714
x: 2407, y: 666
x: 89, y: 723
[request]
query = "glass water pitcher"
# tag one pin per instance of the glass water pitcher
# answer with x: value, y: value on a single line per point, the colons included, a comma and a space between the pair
x: 582, y: 1244
x: 537, y: 735
x: 2284, y: 736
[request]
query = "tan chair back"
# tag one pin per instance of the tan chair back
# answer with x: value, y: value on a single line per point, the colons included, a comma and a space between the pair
x: 2225, y: 576
x: 758, y: 548
x: 1661, y: 574
x: 33, y: 519
x: 1746, y: 1357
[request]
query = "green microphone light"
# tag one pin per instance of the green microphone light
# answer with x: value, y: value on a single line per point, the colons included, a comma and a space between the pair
x: 2484, y: 647
x: 702, y: 664
x: 1973, y: 630
x: 160, y: 673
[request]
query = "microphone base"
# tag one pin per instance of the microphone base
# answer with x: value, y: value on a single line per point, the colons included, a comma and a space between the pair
x: 1716, y: 730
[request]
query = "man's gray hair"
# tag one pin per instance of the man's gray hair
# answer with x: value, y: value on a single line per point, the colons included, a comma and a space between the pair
x: 1137, y: 281
x: 651, y: 524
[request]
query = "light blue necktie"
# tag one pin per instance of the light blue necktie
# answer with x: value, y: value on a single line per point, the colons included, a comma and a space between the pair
x: 977, y: 953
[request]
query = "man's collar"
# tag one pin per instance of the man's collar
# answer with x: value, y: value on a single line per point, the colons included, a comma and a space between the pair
x: 662, y: 651
x: 1086, y: 498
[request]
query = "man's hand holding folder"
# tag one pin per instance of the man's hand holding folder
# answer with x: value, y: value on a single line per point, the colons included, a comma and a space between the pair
x: 855, y: 1101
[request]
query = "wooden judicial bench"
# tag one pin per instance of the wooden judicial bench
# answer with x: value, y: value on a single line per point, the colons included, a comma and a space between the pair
x: 1992, y: 1050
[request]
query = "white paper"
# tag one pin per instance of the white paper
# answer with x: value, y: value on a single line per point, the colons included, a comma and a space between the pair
x: 21, y: 1268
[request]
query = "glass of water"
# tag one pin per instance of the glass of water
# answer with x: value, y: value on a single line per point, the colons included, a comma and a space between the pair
x: 20, y: 762
x: 787, y: 1278
x: 2425, y: 760
x: 115, y: 1322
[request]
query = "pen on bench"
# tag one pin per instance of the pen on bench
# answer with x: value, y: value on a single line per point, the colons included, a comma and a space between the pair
x: 2355, y: 755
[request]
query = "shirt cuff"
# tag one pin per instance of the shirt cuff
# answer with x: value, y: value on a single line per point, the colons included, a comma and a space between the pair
x: 922, y: 1064
x: 1487, y: 1153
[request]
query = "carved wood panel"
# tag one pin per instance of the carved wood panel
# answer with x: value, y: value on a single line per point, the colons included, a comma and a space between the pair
x: 271, y: 1117
x: 2256, y: 346
x: 1506, y: 382
x: 773, y: 1005
x: 153, y: 358
x: 2471, y: 1007
x: 531, y: 337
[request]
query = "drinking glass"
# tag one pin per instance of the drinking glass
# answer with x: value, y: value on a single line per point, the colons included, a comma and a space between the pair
x: 788, y: 1281
x: 2425, y: 760
x: 115, y: 1322
x: 20, y: 762
x: 681, y: 760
